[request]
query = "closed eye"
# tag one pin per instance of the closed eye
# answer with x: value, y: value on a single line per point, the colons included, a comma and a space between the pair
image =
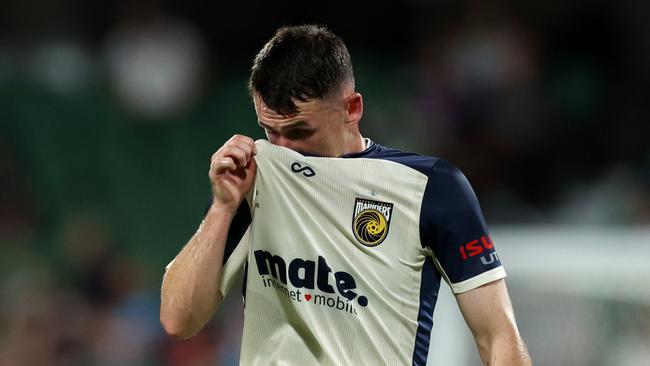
x: 293, y: 133
x: 299, y: 134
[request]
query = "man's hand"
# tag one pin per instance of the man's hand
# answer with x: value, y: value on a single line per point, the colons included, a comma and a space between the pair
x: 232, y: 172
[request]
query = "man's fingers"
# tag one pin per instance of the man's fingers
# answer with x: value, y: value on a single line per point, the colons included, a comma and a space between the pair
x: 238, y: 154
x: 247, y: 144
x: 239, y: 140
x: 223, y: 164
x: 234, y: 154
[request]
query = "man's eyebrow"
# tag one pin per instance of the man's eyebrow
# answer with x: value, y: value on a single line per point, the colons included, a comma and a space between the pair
x: 285, y: 127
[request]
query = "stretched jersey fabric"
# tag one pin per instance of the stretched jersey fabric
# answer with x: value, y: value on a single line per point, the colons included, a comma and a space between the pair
x: 343, y: 257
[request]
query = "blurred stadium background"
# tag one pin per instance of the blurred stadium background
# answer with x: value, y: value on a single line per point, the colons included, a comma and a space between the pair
x: 109, y: 112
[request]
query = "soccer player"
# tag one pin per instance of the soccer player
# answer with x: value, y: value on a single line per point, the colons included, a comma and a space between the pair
x: 342, y: 242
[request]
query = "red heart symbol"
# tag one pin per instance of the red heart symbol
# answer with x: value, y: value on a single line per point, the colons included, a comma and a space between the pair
x: 307, y: 297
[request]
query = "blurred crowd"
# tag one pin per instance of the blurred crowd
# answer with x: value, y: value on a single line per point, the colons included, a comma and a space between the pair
x: 548, y: 115
x: 543, y: 106
x: 94, y: 306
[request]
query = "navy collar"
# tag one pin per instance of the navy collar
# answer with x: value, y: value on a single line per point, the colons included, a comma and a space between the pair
x: 371, y: 147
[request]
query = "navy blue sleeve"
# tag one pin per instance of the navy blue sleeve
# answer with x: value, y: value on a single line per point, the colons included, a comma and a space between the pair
x: 238, y: 227
x: 452, y: 225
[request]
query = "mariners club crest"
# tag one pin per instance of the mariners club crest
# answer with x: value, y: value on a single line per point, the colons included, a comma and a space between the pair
x: 371, y: 221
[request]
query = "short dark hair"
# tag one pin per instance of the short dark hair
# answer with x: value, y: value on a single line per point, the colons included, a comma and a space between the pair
x: 300, y: 62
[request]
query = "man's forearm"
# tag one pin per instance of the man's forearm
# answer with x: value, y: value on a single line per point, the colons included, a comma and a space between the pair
x: 504, y: 350
x: 190, y: 288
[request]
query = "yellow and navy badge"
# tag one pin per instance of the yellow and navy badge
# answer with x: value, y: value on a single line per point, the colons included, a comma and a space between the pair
x: 371, y: 221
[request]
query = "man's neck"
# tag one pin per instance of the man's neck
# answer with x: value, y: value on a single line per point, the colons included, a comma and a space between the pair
x: 355, y: 145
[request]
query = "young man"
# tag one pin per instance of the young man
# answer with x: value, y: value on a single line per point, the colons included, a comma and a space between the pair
x: 343, y: 242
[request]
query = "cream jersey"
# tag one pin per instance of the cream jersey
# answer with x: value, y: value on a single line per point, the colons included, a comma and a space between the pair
x: 342, y: 258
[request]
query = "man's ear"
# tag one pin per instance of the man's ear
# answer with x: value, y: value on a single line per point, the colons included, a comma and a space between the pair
x: 354, y: 106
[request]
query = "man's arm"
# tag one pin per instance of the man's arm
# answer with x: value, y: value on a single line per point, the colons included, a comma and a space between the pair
x: 489, y: 315
x: 190, y: 289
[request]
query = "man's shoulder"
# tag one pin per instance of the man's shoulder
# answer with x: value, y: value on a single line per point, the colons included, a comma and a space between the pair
x: 431, y: 166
